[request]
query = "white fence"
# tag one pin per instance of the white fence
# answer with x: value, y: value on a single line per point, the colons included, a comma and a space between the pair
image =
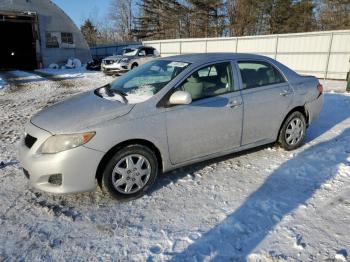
x: 323, y: 54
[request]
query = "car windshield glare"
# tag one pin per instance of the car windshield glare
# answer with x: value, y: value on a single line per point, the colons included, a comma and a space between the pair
x: 145, y: 81
x: 131, y: 52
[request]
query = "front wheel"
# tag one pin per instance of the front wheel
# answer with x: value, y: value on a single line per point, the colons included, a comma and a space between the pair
x: 293, y: 131
x: 130, y: 173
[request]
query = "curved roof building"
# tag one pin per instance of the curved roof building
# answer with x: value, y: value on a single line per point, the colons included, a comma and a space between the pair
x: 36, y: 33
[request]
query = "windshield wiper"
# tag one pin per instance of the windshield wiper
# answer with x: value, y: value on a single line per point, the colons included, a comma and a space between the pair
x: 110, y: 92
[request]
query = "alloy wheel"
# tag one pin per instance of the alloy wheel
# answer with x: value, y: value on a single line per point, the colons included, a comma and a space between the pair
x: 295, y: 131
x: 131, y: 174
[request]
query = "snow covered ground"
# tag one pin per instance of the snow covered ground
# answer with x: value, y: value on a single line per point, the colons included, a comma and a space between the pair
x: 262, y: 205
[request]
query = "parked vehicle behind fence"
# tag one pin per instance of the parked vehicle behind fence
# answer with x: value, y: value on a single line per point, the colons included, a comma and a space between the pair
x: 165, y: 114
x: 132, y: 58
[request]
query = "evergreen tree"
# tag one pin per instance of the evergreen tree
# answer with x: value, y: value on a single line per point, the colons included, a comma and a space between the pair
x: 334, y: 14
x: 207, y: 18
x: 281, y: 18
x: 90, y: 32
x: 248, y: 17
x: 303, y: 18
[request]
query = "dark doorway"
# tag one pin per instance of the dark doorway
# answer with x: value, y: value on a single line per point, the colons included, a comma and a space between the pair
x: 17, y: 45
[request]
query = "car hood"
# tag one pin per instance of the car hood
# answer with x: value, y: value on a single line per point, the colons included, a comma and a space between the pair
x: 118, y: 57
x: 78, y: 113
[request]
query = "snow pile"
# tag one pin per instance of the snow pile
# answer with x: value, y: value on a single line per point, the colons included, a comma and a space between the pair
x: 73, y: 63
x: 334, y: 86
x: 54, y: 66
x: 22, y: 75
x: 141, y: 94
x: 63, y: 73
x: 91, y: 78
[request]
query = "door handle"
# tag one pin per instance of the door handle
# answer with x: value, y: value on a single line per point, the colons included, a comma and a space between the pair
x: 234, y: 103
x: 286, y: 92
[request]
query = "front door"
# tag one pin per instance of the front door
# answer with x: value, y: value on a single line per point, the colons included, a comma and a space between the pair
x: 212, y: 123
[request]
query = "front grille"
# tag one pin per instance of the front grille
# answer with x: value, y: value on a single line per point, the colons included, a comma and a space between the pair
x: 26, y: 173
x: 29, y: 140
x: 108, y: 62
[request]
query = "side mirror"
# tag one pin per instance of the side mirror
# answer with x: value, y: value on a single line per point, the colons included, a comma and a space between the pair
x: 180, y: 98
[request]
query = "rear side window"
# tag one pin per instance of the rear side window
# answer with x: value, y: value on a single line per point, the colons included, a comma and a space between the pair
x: 257, y: 73
x: 149, y: 51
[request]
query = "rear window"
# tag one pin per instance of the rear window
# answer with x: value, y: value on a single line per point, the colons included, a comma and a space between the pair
x: 257, y: 73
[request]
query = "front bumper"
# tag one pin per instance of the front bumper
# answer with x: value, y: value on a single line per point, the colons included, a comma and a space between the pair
x: 77, y: 167
x: 115, y: 68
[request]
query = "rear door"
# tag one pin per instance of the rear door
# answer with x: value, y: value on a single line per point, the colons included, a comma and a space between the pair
x: 212, y: 123
x: 267, y: 97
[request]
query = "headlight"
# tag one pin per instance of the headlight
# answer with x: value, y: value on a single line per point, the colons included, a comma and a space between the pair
x: 59, y: 143
x: 125, y: 60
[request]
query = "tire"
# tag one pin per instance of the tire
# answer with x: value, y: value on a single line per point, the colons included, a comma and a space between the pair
x: 291, y: 139
x: 125, y: 180
x: 134, y: 66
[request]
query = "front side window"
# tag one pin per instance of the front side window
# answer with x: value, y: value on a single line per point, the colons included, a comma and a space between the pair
x: 142, y: 52
x: 209, y: 81
x: 255, y: 74
x: 145, y: 81
x: 130, y: 52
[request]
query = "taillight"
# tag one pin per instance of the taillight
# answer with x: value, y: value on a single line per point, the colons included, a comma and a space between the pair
x: 320, y: 90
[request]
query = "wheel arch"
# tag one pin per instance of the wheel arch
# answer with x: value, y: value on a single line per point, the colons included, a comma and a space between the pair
x: 105, y: 159
x: 134, y: 64
x: 300, y: 109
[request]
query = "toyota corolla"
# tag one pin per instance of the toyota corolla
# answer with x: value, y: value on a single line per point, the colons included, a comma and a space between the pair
x: 165, y: 114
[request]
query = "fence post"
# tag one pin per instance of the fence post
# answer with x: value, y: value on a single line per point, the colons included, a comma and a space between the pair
x: 236, y: 44
x: 276, y: 47
x: 206, y: 45
x: 160, y: 48
x: 180, y: 42
x: 328, y: 56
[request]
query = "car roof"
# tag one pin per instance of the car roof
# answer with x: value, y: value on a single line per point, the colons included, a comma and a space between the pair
x: 148, y: 47
x: 212, y: 57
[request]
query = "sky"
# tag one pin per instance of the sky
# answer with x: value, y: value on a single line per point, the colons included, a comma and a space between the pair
x: 79, y: 10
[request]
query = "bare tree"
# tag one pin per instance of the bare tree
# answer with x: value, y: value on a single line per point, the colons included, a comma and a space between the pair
x: 122, y: 14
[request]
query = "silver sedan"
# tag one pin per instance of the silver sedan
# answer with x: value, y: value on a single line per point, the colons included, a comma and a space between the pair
x: 165, y: 114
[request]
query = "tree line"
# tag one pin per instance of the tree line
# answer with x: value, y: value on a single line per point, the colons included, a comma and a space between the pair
x: 133, y: 20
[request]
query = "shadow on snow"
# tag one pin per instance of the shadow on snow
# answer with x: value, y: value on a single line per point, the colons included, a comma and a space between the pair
x: 289, y: 186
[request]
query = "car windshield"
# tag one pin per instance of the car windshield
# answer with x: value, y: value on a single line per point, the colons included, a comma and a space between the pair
x: 130, y: 52
x: 145, y: 81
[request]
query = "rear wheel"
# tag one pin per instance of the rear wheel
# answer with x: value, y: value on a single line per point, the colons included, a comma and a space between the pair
x: 130, y: 173
x: 134, y: 66
x: 293, y: 131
